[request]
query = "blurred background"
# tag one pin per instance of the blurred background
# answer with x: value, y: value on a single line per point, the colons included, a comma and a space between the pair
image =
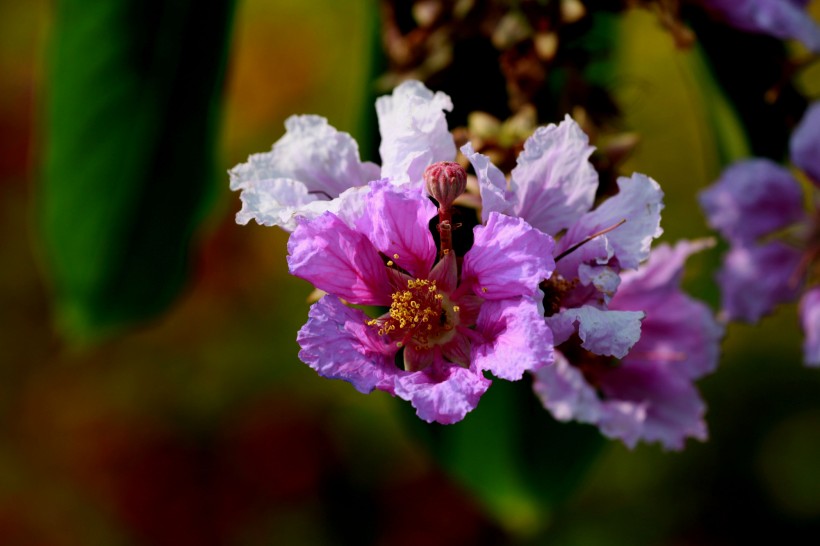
x: 150, y: 391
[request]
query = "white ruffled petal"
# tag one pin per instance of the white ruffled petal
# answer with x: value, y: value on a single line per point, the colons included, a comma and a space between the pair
x: 554, y: 182
x: 311, y: 164
x: 414, y: 131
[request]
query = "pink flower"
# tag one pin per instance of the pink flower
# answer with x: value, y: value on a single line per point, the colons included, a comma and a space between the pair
x: 649, y: 393
x: 553, y: 188
x: 629, y: 343
x: 443, y: 329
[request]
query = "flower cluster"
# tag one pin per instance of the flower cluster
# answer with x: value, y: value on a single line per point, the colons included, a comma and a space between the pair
x: 552, y: 283
x: 758, y: 206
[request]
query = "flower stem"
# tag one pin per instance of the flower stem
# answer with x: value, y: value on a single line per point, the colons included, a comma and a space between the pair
x: 445, y: 230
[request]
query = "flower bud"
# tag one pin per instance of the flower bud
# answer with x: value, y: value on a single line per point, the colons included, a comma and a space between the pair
x: 445, y: 181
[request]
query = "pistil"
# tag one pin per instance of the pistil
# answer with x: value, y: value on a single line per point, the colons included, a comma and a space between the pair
x: 445, y: 181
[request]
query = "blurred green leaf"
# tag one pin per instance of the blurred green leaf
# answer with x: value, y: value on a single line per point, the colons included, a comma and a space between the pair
x: 130, y: 127
x: 730, y: 137
x: 510, y: 452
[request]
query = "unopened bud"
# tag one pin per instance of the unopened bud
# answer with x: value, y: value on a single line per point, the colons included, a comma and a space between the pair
x: 445, y: 181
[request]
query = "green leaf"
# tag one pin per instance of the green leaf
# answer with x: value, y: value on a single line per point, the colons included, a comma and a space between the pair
x: 130, y: 127
x: 519, y: 462
x: 730, y: 137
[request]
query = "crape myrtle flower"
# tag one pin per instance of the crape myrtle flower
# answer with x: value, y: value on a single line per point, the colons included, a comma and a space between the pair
x: 784, y: 19
x: 449, y: 319
x: 758, y: 207
x: 553, y: 188
x: 648, y: 394
x: 314, y: 168
x: 632, y: 390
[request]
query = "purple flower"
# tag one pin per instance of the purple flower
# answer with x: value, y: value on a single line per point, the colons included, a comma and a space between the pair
x: 810, y: 318
x: 758, y: 206
x: 444, y: 329
x: 314, y: 168
x: 630, y: 343
x: 648, y: 394
x: 784, y: 19
x: 553, y: 188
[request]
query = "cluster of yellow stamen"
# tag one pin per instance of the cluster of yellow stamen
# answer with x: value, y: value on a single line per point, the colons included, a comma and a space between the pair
x: 414, y: 313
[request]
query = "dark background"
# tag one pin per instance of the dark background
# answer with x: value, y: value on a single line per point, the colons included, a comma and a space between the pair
x: 202, y: 427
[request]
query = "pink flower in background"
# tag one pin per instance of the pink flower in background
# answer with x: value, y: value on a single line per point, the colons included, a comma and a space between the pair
x: 314, y: 168
x: 758, y: 206
x: 444, y: 329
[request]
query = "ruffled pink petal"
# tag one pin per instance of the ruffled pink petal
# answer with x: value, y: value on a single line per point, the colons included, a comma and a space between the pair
x: 313, y: 155
x: 810, y: 319
x: 517, y: 339
x: 752, y: 198
x: 639, y: 403
x: 443, y: 392
x: 414, y: 131
x: 509, y: 258
x: 337, y: 343
x: 601, y: 331
x: 639, y: 202
x: 554, y: 183
x: 663, y: 271
x: 491, y: 184
x: 396, y: 222
x: 678, y: 332
x: 565, y: 393
x: 754, y: 279
x: 673, y: 410
x: 805, y: 144
x: 340, y: 261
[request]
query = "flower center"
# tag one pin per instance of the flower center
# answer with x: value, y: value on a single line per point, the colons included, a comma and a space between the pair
x: 555, y: 290
x: 590, y: 364
x: 416, y: 314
